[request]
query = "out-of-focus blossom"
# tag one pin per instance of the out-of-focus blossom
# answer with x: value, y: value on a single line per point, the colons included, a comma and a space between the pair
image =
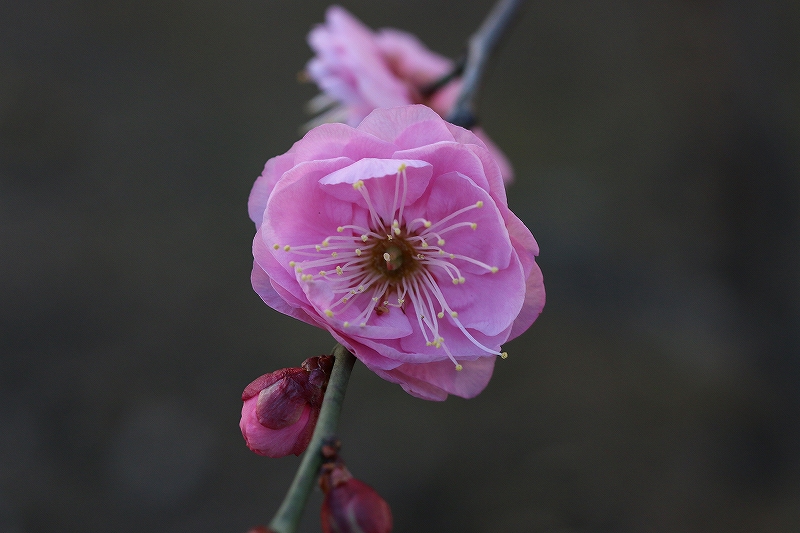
x: 359, y: 70
x: 350, y: 505
x: 281, y: 408
x: 396, y: 237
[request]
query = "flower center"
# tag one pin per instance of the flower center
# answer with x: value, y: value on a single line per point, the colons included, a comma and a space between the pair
x: 372, y: 270
x: 393, y: 258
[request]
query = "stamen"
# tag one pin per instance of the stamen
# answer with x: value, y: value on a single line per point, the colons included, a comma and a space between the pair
x: 367, y: 286
x: 359, y: 186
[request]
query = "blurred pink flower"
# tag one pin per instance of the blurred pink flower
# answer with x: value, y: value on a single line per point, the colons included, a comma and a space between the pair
x: 350, y: 505
x: 281, y: 408
x: 359, y: 70
x: 396, y: 237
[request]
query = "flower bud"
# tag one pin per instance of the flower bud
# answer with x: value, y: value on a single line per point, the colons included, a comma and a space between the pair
x: 350, y: 505
x: 281, y: 408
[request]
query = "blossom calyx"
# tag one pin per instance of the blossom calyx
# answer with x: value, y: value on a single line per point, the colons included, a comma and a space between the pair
x: 281, y: 408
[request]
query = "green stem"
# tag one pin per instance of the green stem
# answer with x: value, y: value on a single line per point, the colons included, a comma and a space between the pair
x: 288, y: 516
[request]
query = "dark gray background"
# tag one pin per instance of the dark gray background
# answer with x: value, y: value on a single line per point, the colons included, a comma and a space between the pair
x: 656, y: 150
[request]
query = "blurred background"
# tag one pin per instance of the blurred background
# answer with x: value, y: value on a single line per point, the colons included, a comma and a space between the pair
x: 657, y: 151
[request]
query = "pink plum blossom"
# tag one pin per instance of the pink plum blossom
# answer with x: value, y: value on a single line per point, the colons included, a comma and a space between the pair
x: 362, y: 70
x: 396, y: 237
x: 281, y: 409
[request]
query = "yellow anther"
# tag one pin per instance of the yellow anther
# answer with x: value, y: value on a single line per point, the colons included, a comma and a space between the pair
x: 479, y: 203
x: 357, y: 185
x: 340, y: 229
x: 424, y: 244
x: 339, y: 270
x: 402, y: 167
x: 396, y: 231
x: 453, y: 314
x: 287, y: 248
x: 459, y: 368
x: 473, y: 225
x: 400, y: 301
x: 504, y: 355
x: 427, y: 223
x: 462, y: 280
x: 494, y: 270
x: 428, y: 343
x: 440, y: 242
x: 345, y: 299
x: 292, y: 264
x: 363, y: 324
x: 440, y: 314
x: 318, y: 247
x: 364, y: 238
x: 329, y: 313
x: 455, y: 281
x: 326, y: 242
x: 276, y: 246
x: 452, y: 256
x: 346, y: 324
x: 298, y: 269
x: 323, y: 273
x: 334, y: 254
x: 358, y: 251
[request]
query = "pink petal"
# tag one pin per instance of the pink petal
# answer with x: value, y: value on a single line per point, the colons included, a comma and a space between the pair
x: 434, y: 381
x: 281, y: 404
x: 263, y: 186
x: 393, y: 124
x: 381, y: 177
x: 271, y: 442
x: 533, y: 304
x: 331, y: 141
x: 506, y: 170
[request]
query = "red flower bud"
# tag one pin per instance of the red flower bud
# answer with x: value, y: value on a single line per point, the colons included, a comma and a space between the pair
x: 350, y: 505
x: 281, y: 408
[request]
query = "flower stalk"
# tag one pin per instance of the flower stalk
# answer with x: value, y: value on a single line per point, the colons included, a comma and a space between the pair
x: 289, y: 513
x: 479, y: 48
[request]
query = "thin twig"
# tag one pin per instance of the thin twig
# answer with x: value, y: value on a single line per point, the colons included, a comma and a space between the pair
x: 288, y: 516
x: 479, y: 48
x: 458, y: 69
